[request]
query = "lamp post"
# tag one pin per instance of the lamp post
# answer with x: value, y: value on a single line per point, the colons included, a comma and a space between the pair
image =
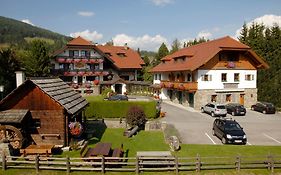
x: 1, y: 91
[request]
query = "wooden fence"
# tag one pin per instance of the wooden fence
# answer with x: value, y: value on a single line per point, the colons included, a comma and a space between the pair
x: 139, y: 164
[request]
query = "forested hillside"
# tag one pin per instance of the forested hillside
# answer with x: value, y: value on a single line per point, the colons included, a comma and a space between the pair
x: 13, y: 32
x: 266, y: 42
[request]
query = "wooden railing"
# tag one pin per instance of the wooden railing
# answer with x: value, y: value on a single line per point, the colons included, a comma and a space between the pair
x: 189, y: 86
x: 140, y: 164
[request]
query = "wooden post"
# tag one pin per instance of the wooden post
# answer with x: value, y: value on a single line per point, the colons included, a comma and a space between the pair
x: 270, y: 163
x: 177, y: 165
x: 4, y: 163
x: 137, y: 165
x: 67, y: 165
x: 102, y: 165
x: 198, y: 163
x: 37, y: 164
x: 238, y: 163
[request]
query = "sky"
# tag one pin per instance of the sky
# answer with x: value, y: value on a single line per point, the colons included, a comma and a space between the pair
x: 143, y: 24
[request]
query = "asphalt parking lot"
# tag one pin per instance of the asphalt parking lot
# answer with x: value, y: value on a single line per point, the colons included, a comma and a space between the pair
x: 196, y: 127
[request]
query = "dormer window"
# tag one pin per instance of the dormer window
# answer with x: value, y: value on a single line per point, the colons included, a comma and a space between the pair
x: 121, y: 55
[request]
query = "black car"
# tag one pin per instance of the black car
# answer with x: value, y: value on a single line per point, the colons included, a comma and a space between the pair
x: 235, y: 109
x: 264, y: 107
x: 118, y: 97
x: 229, y: 131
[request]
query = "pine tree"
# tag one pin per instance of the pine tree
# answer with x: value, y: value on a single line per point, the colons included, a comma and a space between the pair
x: 162, y: 52
x: 176, y: 45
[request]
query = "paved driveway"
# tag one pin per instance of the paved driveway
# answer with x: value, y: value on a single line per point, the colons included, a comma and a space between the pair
x: 196, y: 127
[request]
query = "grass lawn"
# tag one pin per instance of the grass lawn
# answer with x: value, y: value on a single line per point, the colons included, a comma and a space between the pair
x: 154, y: 140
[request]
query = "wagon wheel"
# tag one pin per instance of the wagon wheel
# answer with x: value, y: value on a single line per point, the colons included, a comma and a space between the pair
x: 13, y: 136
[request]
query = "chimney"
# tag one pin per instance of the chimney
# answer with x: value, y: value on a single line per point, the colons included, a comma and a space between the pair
x: 126, y: 46
x: 20, y: 77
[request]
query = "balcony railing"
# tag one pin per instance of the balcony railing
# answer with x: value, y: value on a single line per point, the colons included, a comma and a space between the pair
x: 189, y: 86
x: 79, y: 60
x: 79, y: 72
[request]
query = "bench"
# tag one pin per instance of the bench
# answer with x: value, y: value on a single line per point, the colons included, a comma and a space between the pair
x: 42, y: 150
x: 155, y: 158
x: 132, y: 132
x: 85, y: 151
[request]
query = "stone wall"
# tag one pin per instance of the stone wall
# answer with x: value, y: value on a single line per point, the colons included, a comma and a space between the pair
x: 202, y: 97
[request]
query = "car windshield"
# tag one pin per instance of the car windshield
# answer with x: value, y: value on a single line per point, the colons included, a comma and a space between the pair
x: 232, y: 126
x: 221, y: 107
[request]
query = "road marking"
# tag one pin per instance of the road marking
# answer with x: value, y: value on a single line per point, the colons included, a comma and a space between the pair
x: 210, y: 138
x: 271, y: 138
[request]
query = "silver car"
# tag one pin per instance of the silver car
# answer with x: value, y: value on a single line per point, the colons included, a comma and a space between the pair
x: 214, y: 109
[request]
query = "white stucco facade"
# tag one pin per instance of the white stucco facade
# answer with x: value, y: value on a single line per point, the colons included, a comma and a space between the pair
x: 215, y: 82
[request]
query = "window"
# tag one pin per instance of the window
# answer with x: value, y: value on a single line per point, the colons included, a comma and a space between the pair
x: 228, y: 98
x: 214, y: 98
x: 159, y: 76
x: 76, y: 53
x: 249, y: 77
x: 61, y: 66
x: 223, y: 77
x: 71, y: 53
x: 121, y: 55
x: 84, y: 53
x: 206, y: 77
x: 36, y: 123
x: 236, y: 77
x: 155, y: 76
x: 189, y: 77
x: 97, y: 66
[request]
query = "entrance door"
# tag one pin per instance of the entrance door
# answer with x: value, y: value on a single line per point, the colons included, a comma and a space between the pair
x: 118, y: 88
x: 242, y: 99
x: 191, y: 99
x: 80, y: 80
x: 180, y: 97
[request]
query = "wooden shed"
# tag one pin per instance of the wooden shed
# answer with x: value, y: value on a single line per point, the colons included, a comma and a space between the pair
x: 51, y: 105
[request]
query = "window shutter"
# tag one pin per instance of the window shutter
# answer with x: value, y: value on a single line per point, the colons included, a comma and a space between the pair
x: 253, y: 77
x: 210, y: 78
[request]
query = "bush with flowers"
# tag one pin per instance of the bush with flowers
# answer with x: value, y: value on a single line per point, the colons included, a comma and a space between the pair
x: 75, y: 128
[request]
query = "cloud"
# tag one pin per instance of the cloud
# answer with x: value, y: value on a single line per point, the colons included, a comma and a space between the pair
x: 87, y: 34
x: 267, y: 20
x: 86, y: 14
x: 162, y: 2
x: 144, y: 42
x: 27, y: 21
x: 204, y: 34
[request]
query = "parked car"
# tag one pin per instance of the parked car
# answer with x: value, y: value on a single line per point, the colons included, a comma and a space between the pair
x: 118, y: 97
x: 235, y: 109
x: 264, y: 107
x: 214, y: 109
x: 229, y: 131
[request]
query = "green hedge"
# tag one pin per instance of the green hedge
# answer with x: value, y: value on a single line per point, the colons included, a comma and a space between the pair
x: 118, y: 109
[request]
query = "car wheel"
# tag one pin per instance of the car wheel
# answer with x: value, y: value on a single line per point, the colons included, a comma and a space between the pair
x: 264, y: 111
x: 233, y: 113
x: 223, y: 140
x: 202, y: 110
x: 213, y: 132
x: 212, y: 114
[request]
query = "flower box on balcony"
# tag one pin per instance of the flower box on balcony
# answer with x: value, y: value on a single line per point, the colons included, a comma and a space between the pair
x: 170, y: 85
x: 181, y: 86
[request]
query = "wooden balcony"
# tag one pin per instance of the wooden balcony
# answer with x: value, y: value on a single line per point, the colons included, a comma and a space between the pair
x: 188, y: 86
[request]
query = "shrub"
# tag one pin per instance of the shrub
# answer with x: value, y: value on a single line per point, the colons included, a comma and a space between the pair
x: 135, y: 116
x: 106, y: 91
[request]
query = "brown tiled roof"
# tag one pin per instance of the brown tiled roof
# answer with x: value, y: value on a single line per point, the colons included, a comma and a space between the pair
x: 122, y: 57
x: 200, y: 54
x: 79, y: 41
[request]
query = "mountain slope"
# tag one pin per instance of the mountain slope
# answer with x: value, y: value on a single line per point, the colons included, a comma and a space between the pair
x: 16, y: 32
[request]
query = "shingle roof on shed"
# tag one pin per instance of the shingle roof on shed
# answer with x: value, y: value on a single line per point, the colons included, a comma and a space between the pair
x: 57, y: 89
x: 12, y: 116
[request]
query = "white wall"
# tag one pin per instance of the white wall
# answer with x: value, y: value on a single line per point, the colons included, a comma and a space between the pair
x: 216, y: 82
